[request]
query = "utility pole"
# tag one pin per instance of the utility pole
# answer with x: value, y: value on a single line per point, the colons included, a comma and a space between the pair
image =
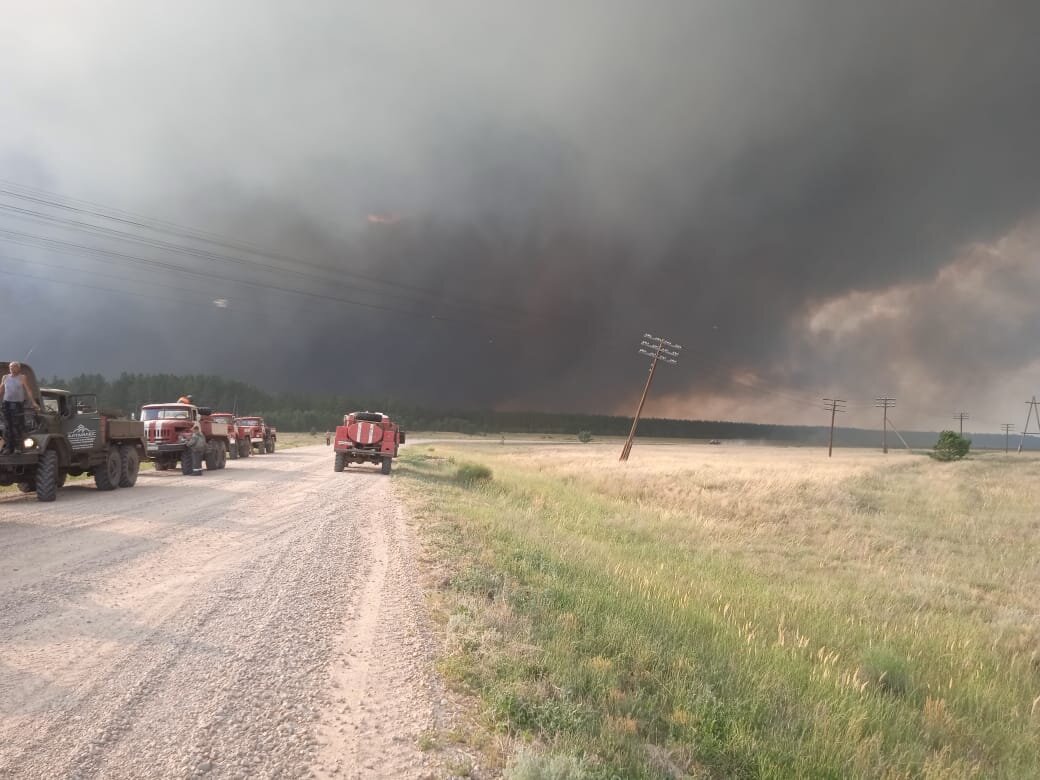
x: 1007, y: 428
x: 1032, y: 408
x: 833, y: 405
x: 657, y: 349
x: 961, y: 417
x: 886, y: 404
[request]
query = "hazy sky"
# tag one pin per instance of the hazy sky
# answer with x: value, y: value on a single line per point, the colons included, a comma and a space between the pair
x: 475, y: 203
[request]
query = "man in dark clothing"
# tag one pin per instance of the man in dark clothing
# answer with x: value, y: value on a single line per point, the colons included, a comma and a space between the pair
x: 193, y: 454
x: 15, y: 394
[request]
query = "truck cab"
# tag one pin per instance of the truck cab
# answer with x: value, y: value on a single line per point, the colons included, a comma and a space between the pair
x: 168, y: 426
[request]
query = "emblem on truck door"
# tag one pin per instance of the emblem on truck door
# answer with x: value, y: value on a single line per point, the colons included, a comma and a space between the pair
x: 82, y: 437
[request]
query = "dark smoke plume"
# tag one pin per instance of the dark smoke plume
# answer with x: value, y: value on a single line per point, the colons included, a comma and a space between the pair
x: 543, y: 185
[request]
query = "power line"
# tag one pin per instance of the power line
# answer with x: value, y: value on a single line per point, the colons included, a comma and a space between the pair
x: 961, y: 417
x: 113, y: 256
x: 1007, y: 428
x: 834, y: 406
x: 325, y: 274
x: 658, y: 350
x: 886, y: 404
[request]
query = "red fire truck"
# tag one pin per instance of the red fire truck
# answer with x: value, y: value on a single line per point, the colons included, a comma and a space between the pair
x: 367, y: 437
x: 166, y: 428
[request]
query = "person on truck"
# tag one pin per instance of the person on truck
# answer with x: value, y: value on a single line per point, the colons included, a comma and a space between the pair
x: 15, y: 393
x: 185, y: 399
x: 196, y: 446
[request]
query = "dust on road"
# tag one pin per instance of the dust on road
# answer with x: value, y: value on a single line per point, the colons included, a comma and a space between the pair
x: 264, y: 620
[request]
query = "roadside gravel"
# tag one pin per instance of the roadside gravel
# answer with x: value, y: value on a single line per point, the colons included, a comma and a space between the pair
x: 262, y: 621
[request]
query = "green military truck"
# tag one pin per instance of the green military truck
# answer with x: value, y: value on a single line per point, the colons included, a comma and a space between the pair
x: 71, y: 436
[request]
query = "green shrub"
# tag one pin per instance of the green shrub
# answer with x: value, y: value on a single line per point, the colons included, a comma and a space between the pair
x: 533, y: 766
x: 951, y: 446
x: 584, y: 436
x: 886, y: 671
x: 472, y: 473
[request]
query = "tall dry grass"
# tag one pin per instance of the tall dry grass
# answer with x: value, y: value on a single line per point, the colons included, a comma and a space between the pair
x: 745, y: 611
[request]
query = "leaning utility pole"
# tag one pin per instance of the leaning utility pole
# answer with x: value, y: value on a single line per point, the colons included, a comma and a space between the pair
x: 886, y: 404
x: 656, y: 349
x: 833, y: 405
x: 961, y: 417
x: 1007, y: 428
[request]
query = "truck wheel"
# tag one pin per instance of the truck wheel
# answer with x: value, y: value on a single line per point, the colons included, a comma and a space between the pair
x: 211, y: 459
x: 341, y: 461
x: 270, y: 446
x: 222, y: 454
x: 27, y: 487
x: 129, y: 465
x: 47, y: 477
x: 245, y: 450
x: 186, y: 463
x: 62, y: 476
x: 385, y: 467
x: 233, y: 451
x: 108, y: 473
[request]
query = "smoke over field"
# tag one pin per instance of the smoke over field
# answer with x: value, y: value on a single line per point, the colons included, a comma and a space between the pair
x: 494, y: 202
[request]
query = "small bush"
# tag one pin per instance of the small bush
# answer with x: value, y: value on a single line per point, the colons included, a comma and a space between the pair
x: 584, y: 436
x: 886, y: 671
x: 951, y: 446
x: 533, y: 766
x: 472, y: 473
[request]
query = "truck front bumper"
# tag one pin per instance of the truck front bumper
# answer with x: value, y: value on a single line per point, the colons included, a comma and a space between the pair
x: 158, y: 449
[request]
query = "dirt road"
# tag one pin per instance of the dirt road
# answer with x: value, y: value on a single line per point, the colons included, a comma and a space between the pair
x: 258, y: 621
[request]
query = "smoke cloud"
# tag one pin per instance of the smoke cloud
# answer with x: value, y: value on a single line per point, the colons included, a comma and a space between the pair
x: 814, y: 198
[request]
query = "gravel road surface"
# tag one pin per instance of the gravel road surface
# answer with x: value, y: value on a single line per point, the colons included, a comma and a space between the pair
x: 260, y: 621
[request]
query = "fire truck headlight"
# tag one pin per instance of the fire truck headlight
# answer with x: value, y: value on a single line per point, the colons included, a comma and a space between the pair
x: 29, y: 443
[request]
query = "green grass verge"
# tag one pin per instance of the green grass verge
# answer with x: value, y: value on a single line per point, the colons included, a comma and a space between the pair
x: 603, y: 629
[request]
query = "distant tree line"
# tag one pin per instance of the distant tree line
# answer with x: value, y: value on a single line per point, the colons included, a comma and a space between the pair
x: 303, y: 412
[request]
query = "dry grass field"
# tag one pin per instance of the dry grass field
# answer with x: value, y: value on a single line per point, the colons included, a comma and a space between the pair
x: 739, y: 611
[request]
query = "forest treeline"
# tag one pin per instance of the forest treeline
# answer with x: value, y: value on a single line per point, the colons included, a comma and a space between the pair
x: 318, y: 412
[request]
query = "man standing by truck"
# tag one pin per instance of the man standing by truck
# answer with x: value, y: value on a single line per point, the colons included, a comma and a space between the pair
x: 196, y: 446
x: 15, y: 394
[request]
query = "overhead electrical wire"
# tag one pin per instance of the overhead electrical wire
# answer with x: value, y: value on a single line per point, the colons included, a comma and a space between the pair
x: 113, y: 256
x: 324, y: 272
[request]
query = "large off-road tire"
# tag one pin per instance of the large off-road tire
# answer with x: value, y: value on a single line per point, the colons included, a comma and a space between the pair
x: 27, y: 487
x: 186, y: 463
x: 62, y: 476
x: 270, y: 446
x: 47, y: 476
x: 129, y: 466
x: 385, y: 466
x: 233, y: 451
x: 341, y: 461
x: 211, y: 458
x: 245, y: 449
x: 108, y: 473
x: 222, y: 453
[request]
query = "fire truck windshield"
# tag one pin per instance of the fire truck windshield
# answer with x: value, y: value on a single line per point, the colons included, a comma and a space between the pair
x: 165, y: 414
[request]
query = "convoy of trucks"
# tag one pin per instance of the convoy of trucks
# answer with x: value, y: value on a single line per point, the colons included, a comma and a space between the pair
x: 71, y: 435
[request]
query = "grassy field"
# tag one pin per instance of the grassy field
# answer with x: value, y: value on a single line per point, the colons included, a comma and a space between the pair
x: 738, y: 611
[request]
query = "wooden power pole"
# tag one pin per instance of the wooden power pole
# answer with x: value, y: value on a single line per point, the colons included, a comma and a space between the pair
x: 961, y: 417
x: 657, y: 349
x: 886, y: 404
x: 833, y: 405
x: 1007, y: 428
